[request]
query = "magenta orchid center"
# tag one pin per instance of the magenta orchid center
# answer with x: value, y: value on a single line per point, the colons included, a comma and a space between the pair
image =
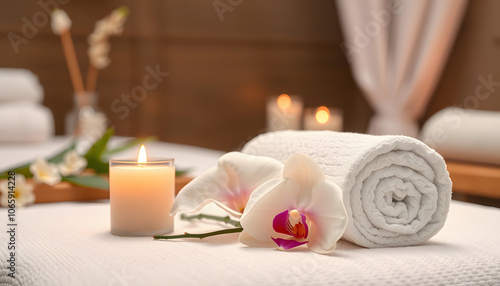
x: 291, y: 223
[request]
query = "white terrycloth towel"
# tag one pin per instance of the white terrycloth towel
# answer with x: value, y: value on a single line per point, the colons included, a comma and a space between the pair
x: 19, y: 85
x: 464, y: 134
x: 23, y: 122
x: 397, y: 190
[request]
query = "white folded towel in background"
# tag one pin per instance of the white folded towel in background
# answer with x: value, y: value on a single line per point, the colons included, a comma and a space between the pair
x: 396, y: 189
x: 464, y: 134
x: 22, y: 122
x: 19, y: 85
x: 22, y: 117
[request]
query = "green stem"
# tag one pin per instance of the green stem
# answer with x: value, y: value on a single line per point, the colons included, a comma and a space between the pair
x: 200, y: 235
x: 225, y: 219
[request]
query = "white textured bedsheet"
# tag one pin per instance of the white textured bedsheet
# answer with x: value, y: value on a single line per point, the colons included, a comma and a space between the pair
x: 70, y: 244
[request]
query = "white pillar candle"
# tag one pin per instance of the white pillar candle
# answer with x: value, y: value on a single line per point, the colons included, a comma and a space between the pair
x: 284, y: 112
x: 323, y: 118
x: 141, y: 196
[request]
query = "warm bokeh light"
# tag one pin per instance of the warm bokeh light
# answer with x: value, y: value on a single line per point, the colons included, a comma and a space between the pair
x: 284, y: 101
x: 142, y: 158
x: 322, y: 114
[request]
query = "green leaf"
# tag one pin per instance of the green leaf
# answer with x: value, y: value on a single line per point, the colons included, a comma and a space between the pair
x: 100, y: 145
x: 25, y: 168
x: 92, y: 181
x: 94, y: 154
x: 179, y: 173
x: 128, y: 144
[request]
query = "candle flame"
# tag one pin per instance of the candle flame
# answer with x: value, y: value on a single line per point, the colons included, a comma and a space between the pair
x: 142, y: 158
x: 284, y: 101
x: 322, y: 114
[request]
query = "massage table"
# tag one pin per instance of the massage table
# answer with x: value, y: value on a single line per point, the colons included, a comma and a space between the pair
x: 69, y: 243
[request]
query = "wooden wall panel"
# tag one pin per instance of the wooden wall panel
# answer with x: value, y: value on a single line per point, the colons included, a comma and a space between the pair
x: 221, y: 72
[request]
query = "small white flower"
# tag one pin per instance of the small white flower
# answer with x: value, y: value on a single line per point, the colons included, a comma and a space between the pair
x: 73, y: 164
x: 23, y: 192
x: 60, y: 22
x: 45, y: 172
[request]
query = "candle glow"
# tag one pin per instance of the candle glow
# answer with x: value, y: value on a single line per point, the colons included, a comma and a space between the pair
x: 322, y: 114
x: 142, y: 158
x: 284, y: 101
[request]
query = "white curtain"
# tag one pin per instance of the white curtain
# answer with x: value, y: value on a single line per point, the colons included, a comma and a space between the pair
x: 397, y: 50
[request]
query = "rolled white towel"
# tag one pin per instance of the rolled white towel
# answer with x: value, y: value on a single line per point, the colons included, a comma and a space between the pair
x: 19, y: 85
x: 464, y: 134
x: 396, y: 189
x: 23, y: 122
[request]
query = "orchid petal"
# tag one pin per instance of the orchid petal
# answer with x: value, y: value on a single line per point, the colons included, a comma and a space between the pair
x: 328, y: 216
x: 229, y: 184
x: 207, y: 188
x: 280, y: 221
x: 304, y: 223
x: 287, y: 244
x: 249, y: 240
x: 247, y: 171
x: 277, y: 195
x: 281, y: 224
x: 306, y: 172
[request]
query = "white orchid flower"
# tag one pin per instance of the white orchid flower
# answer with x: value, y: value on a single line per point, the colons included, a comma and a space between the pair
x: 73, y: 164
x: 23, y: 192
x: 60, y: 22
x: 45, y: 172
x: 229, y: 184
x: 299, y: 208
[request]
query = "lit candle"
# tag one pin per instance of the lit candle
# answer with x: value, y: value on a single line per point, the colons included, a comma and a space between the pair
x: 323, y: 118
x: 284, y: 112
x: 141, y: 195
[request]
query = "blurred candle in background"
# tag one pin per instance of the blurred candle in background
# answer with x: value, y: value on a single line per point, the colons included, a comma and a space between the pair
x: 284, y: 112
x: 323, y: 118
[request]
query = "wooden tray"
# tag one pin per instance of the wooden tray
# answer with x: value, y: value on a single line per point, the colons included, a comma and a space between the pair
x: 65, y: 192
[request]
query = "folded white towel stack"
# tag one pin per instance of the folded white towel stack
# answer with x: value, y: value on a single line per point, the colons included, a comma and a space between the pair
x: 19, y: 85
x: 397, y: 190
x: 23, y: 119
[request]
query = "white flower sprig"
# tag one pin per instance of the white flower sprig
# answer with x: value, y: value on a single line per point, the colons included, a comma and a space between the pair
x: 45, y: 172
x: 99, y: 47
x: 23, y: 192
